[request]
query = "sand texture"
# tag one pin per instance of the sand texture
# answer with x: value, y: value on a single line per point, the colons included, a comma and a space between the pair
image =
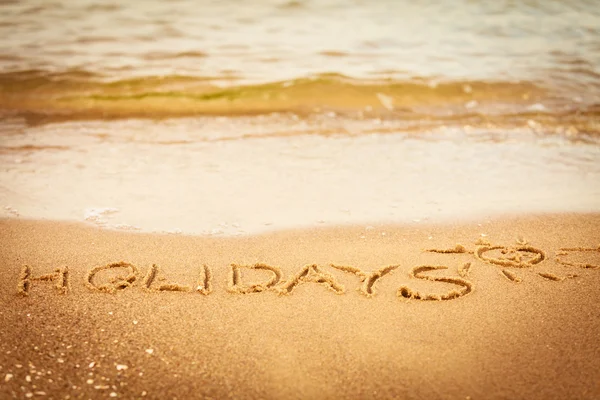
x: 490, y: 309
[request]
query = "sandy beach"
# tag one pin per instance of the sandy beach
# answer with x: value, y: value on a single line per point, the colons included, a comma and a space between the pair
x: 293, y: 199
x: 523, y: 321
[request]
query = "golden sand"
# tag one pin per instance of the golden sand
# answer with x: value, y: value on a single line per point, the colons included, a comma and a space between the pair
x: 343, y: 312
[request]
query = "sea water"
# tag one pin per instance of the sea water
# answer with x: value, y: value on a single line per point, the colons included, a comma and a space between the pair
x: 231, y: 117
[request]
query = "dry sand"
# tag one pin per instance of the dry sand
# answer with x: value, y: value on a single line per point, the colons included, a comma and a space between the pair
x: 514, y: 315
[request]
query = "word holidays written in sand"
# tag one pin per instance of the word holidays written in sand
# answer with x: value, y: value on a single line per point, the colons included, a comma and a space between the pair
x: 509, y: 258
x: 127, y: 275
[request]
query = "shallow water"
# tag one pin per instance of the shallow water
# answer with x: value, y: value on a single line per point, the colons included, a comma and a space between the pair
x: 484, y: 57
x: 281, y: 39
x: 246, y: 175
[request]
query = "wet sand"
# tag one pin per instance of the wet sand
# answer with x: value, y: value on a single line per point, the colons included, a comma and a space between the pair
x: 516, y: 315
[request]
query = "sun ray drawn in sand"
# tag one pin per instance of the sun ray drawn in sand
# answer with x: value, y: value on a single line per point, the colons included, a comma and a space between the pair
x: 458, y: 249
x: 569, y: 250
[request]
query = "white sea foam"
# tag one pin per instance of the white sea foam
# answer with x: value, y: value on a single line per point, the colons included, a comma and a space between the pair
x: 99, y: 215
x: 126, y: 227
x: 12, y: 211
x: 537, y: 107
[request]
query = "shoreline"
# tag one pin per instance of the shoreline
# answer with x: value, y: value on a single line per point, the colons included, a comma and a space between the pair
x: 534, y: 337
x: 473, y: 221
x: 212, y: 171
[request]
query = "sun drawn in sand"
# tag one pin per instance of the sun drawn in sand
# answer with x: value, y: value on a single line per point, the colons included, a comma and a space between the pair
x: 519, y: 256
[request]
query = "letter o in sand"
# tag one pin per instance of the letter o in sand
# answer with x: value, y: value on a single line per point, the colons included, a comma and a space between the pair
x: 118, y: 283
